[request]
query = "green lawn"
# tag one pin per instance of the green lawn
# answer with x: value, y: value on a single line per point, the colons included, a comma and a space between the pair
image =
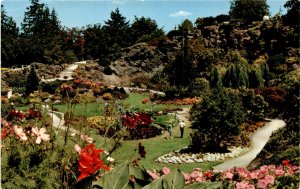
x: 154, y: 147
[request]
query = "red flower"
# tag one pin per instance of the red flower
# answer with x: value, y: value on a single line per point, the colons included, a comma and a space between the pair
x: 208, y: 174
x: 136, y: 120
x: 3, y: 134
x: 285, y: 162
x: 90, y: 161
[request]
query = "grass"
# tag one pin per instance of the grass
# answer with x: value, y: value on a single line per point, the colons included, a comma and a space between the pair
x: 154, y: 147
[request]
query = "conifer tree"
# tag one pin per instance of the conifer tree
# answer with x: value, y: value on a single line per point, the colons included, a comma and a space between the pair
x: 33, y: 80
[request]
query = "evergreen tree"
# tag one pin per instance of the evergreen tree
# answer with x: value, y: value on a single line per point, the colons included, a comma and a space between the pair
x: 40, y: 27
x: 117, y: 30
x: 9, y: 39
x: 249, y: 10
x: 95, y: 41
x: 33, y: 80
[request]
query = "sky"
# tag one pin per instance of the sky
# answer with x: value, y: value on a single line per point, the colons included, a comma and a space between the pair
x: 166, y: 13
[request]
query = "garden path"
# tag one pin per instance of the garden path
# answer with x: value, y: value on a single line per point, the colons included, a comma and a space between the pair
x: 59, y: 123
x: 183, y: 115
x: 259, y: 140
x: 67, y: 72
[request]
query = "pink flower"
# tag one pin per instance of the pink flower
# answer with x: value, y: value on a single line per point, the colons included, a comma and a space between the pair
x: 270, y: 179
x: 77, y: 148
x: 87, y: 138
x: 40, y: 135
x: 228, y: 175
x: 187, y: 177
x: 20, y: 133
x: 254, y: 175
x: 200, y: 178
x: 241, y: 185
x: 166, y: 170
x: 262, y: 183
x: 278, y: 173
x: 153, y: 174
x: 250, y: 186
x: 195, y: 174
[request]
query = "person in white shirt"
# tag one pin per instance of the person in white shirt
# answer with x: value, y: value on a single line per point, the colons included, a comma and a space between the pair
x: 181, y: 126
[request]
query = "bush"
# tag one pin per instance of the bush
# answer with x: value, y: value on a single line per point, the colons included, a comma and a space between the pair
x: 107, y: 96
x: 107, y: 70
x: 51, y: 86
x: 217, y: 118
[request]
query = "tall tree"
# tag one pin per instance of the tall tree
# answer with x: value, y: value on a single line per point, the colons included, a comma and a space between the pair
x: 249, y: 10
x: 9, y: 35
x: 40, y: 26
x: 95, y: 41
x: 117, y: 30
x: 293, y: 12
x: 145, y: 28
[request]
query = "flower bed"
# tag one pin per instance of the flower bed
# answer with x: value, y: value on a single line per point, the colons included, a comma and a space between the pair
x: 267, y: 176
x: 181, y: 101
x: 179, y: 158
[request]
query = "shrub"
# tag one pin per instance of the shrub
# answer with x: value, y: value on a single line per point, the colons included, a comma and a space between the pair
x: 51, y: 86
x: 200, y: 87
x: 218, y: 118
x: 107, y: 96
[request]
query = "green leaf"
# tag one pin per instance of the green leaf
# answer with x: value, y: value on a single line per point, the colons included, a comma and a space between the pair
x: 84, y: 183
x: 116, y: 179
x: 173, y: 180
x: 205, y: 185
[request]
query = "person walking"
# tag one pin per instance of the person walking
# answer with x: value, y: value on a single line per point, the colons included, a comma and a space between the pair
x: 181, y: 126
x: 170, y: 129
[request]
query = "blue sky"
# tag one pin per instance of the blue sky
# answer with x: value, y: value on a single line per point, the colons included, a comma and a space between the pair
x: 167, y: 13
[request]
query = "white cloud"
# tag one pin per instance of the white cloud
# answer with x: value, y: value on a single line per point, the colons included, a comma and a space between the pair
x: 180, y: 14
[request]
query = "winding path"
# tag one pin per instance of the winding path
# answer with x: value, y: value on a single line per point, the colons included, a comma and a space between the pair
x: 59, y: 123
x: 259, y: 140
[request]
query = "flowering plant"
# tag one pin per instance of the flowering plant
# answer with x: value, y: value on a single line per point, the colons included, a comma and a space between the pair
x: 134, y: 120
x: 89, y: 161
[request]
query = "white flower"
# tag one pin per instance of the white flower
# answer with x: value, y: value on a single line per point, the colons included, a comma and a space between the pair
x: 40, y: 135
x: 87, y: 138
x: 110, y: 159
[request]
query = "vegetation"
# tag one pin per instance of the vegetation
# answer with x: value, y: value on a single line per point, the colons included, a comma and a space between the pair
x: 249, y: 10
x: 235, y: 71
x: 218, y: 117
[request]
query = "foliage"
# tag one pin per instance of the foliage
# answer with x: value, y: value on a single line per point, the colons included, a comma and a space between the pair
x: 292, y: 14
x: 248, y: 10
x: 237, y: 75
x: 200, y: 87
x: 138, y: 126
x: 208, y: 21
x: 186, y: 26
x: 255, y: 105
x: 9, y: 33
x: 51, y: 87
x: 32, y: 83
x: 284, y: 143
x: 215, y: 119
x: 145, y: 29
